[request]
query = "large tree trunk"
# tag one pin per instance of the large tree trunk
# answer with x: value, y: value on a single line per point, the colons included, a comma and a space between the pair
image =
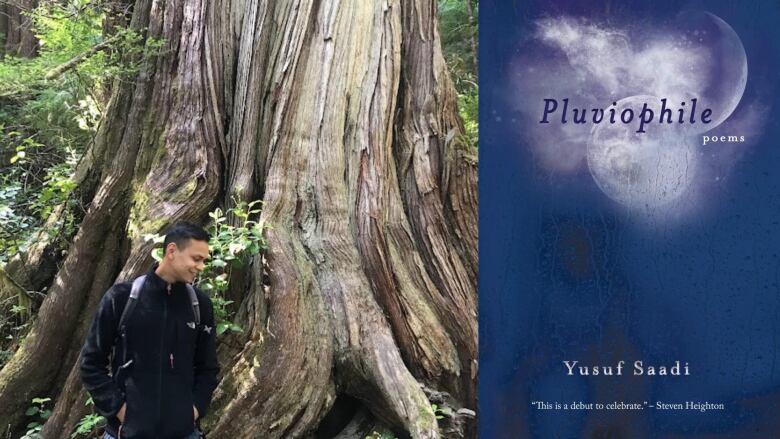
x: 340, y: 115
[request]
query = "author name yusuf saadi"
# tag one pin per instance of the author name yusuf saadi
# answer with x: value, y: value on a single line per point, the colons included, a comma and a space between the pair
x: 637, y: 368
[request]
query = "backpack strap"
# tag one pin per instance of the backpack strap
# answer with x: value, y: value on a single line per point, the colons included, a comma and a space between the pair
x: 138, y: 284
x: 135, y: 291
x: 195, y: 304
x: 132, y: 300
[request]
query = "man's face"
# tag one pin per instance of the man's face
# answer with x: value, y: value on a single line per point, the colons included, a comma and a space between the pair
x: 189, y: 260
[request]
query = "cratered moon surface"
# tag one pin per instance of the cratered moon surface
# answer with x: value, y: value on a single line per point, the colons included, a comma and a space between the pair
x: 641, y: 170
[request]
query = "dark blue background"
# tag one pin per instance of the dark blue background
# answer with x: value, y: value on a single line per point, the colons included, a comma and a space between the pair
x: 564, y: 275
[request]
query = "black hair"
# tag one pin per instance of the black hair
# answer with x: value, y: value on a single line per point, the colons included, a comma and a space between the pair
x: 180, y: 234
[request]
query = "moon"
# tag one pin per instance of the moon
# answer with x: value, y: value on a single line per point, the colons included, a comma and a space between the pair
x: 726, y: 70
x: 641, y: 170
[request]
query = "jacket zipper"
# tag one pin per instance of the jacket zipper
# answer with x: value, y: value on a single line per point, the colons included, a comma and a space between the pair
x: 175, y: 337
x: 162, y: 350
x: 175, y: 342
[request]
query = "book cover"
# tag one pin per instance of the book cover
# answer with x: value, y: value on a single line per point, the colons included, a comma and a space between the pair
x: 629, y: 219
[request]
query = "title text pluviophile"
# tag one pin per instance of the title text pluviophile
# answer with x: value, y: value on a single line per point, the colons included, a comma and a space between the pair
x: 645, y: 116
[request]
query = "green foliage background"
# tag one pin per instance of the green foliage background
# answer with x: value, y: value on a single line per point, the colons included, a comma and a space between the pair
x: 458, y: 26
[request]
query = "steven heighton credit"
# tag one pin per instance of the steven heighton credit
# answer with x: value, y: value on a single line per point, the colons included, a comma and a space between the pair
x: 637, y: 368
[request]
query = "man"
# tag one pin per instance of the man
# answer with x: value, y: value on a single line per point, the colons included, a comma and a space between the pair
x: 163, y: 364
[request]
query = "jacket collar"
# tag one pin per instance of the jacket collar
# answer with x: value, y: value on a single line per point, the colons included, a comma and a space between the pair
x: 156, y: 282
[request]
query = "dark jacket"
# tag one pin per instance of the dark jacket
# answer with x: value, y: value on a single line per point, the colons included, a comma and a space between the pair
x: 174, y: 364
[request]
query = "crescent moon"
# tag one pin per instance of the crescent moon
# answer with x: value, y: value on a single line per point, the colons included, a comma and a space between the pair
x: 728, y: 69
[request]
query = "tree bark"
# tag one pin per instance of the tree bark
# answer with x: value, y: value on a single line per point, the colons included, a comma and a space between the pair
x: 3, y: 28
x: 339, y: 115
x: 117, y: 17
x: 20, y: 39
x: 438, y: 183
x: 11, y: 293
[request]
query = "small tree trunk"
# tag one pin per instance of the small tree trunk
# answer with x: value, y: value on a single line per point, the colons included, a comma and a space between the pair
x: 3, y: 28
x: 117, y: 17
x: 11, y: 293
x: 20, y: 39
x: 34, y: 268
x: 473, y: 36
x: 12, y: 26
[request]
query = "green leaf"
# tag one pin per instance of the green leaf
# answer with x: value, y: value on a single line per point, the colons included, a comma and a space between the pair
x: 31, y: 411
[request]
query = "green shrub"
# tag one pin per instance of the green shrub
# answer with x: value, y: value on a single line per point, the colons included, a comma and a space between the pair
x: 89, y: 425
x: 229, y: 247
x: 39, y: 414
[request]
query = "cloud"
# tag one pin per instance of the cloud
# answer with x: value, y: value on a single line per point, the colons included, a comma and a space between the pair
x: 672, y: 68
x: 594, y: 65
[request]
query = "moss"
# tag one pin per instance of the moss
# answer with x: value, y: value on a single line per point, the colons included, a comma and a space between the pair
x: 426, y: 417
x: 139, y: 224
x: 185, y: 193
